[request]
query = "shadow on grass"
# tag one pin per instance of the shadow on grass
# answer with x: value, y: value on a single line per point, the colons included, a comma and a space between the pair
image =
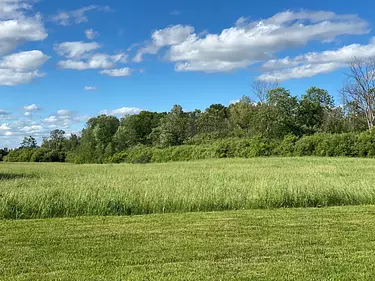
x: 6, y: 176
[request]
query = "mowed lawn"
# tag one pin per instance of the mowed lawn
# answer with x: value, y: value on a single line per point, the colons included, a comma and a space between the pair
x: 336, y: 243
x: 47, y: 190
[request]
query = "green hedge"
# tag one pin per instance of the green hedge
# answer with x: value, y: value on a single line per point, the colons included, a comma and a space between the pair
x: 327, y: 145
x: 35, y: 155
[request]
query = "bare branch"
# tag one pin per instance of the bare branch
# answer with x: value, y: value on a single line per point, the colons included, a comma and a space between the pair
x: 261, y: 88
x: 359, y: 87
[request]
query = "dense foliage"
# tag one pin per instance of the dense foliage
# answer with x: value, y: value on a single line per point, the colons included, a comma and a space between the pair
x: 278, y: 124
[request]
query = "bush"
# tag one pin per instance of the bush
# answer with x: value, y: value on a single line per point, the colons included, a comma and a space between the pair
x: 20, y: 155
x: 286, y: 147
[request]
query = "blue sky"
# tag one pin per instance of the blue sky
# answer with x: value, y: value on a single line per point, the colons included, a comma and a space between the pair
x: 62, y: 62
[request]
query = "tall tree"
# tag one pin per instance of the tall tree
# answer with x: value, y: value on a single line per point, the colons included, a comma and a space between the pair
x: 242, y: 116
x: 214, y: 119
x: 136, y: 129
x: 173, y: 128
x: 261, y: 89
x: 97, y: 135
x: 359, y: 88
x: 280, y: 114
x: 314, y: 106
x: 56, y: 140
x: 29, y: 142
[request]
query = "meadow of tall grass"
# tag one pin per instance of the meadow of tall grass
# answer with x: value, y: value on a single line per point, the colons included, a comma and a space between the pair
x: 43, y: 190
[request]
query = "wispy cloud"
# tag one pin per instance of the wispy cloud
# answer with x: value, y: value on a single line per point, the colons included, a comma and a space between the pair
x: 78, y: 16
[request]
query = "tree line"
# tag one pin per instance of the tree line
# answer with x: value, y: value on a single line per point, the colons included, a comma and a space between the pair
x: 272, y: 115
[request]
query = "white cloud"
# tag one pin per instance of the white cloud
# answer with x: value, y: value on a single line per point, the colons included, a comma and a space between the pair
x: 64, y: 112
x: 21, y: 68
x: 7, y: 133
x: 80, y: 57
x: 308, y: 70
x: 91, y: 34
x: 94, y: 61
x: 3, y: 112
x: 234, y: 101
x: 310, y: 64
x: 51, y: 119
x: 13, y: 8
x: 32, y: 107
x: 120, y: 72
x: 32, y: 129
x: 75, y: 49
x: 9, y: 77
x: 169, y: 36
x: 28, y: 114
x: 90, y: 88
x: 4, y: 127
x: 66, y: 18
x: 122, y: 111
x: 17, y: 31
x: 246, y: 43
x: 17, y: 26
x: 24, y: 60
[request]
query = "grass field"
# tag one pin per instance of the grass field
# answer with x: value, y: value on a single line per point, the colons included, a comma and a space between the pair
x: 66, y: 190
x: 336, y: 243
x: 255, y: 237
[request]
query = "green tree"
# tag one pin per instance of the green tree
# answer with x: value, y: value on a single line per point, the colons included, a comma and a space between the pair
x: 136, y: 129
x: 97, y: 135
x: 29, y: 142
x: 242, y: 116
x: 279, y: 115
x: 173, y: 128
x: 313, y: 110
x: 56, y: 140
x: 214, y: 119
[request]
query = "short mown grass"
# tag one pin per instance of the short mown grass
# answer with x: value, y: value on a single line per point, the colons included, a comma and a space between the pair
x: 45, y: 190
x: 335, y: 243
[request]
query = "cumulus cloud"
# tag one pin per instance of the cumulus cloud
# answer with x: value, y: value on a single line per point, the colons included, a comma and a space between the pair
x: 4, y: 127
x: 32, y: 129
x: 10, y: 9
x: 9, y: 77
x: 75, y: 49
x: 93, y: 61
x: 24, y: 60
x: 120, y: 72
x: 313, y: 63
x: 78, y: 16
x: 21, y: 68
x: 90, y: 88
x: 91, y: 34
x: 64, y: 112
x: 80, y: 56
x: 15, y: 129
x: 32, y: 107
x: 247, y: 43
x: 14, y: 32
x: 169, y: 36
x: 17, y: 26
x: 122, y: 111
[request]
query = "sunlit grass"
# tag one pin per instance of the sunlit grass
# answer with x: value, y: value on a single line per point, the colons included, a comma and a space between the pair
x: 64, y: 190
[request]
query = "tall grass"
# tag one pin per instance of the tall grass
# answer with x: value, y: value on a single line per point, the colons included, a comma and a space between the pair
x: 64, y: 190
